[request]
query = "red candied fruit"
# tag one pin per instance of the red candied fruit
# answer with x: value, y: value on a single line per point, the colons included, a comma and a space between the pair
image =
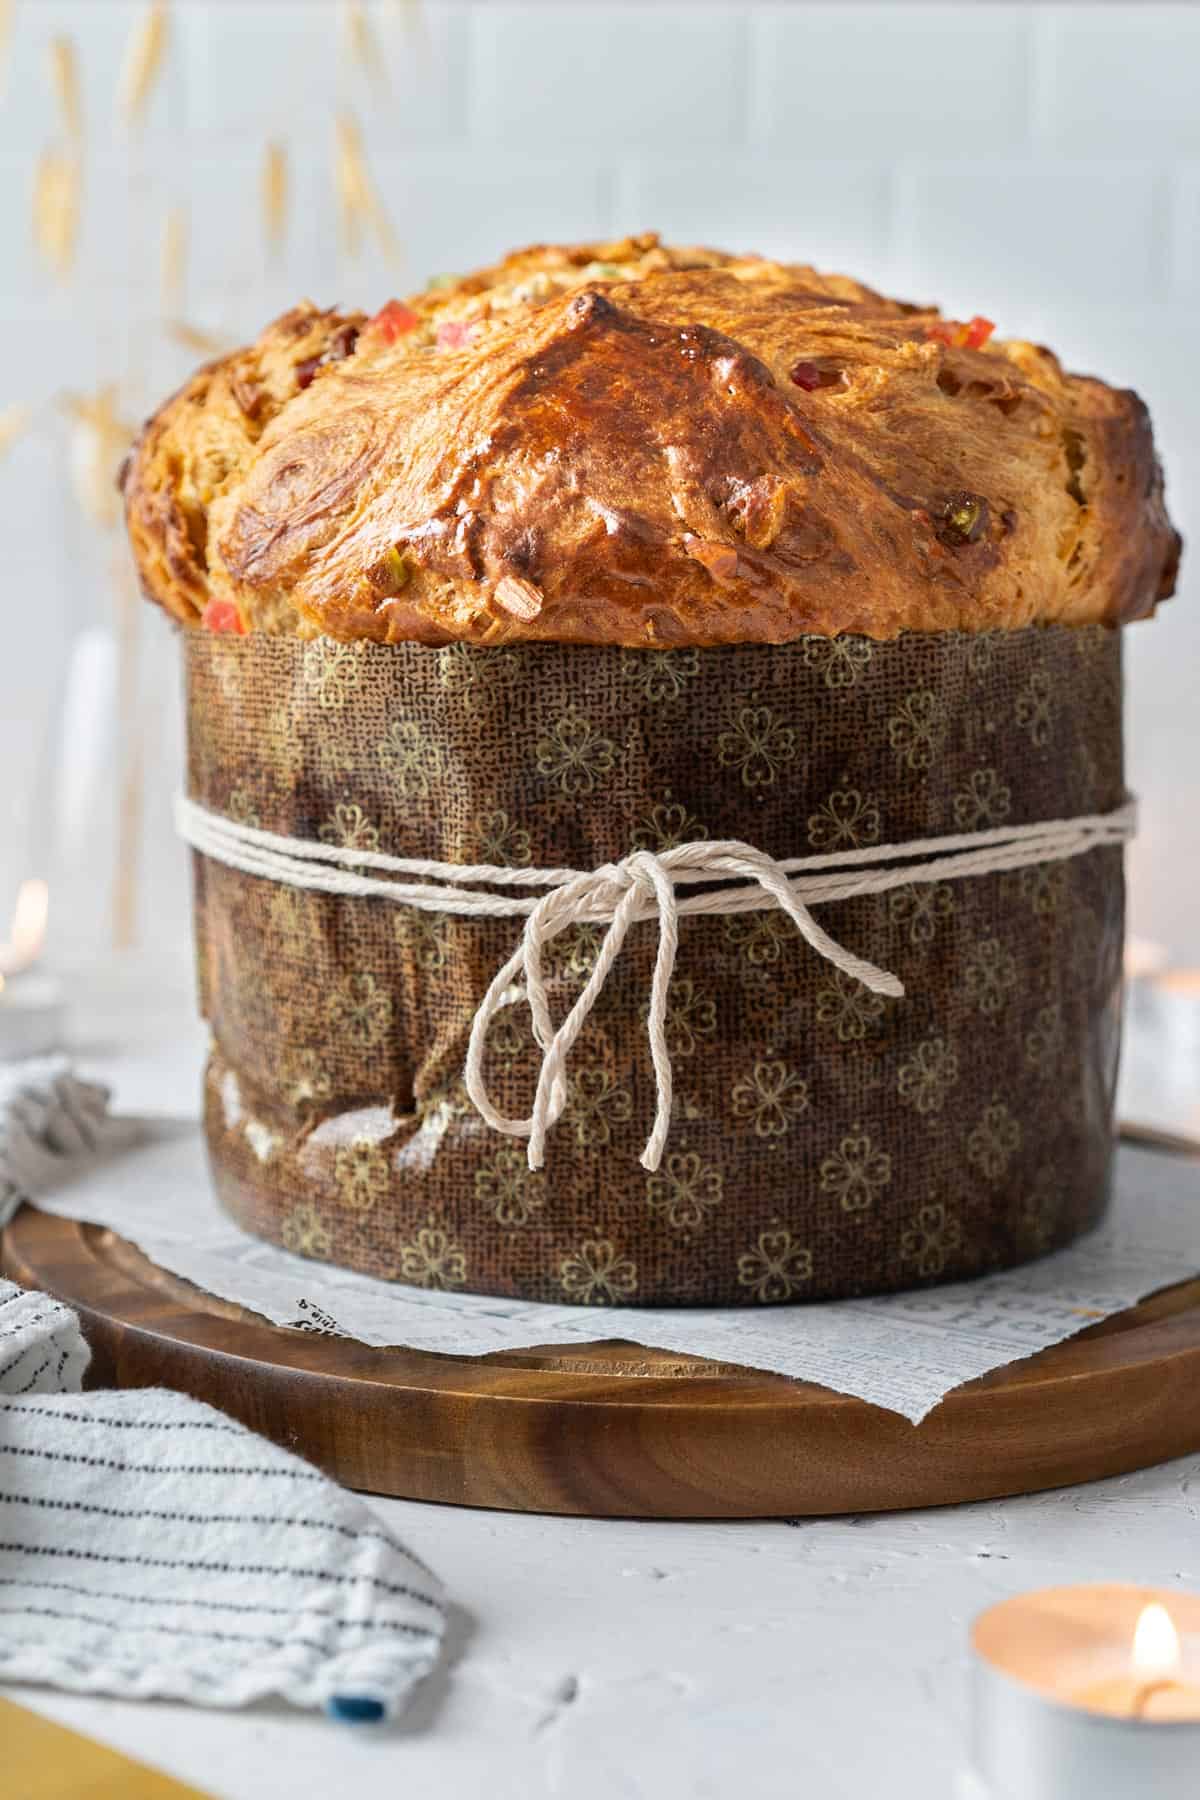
x: 810, y: 376
x: 454, y: 334
x: 971, y: 336
x: 393, y: 320
x: 222, y: 616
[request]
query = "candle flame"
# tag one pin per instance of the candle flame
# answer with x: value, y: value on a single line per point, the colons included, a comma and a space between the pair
x: 1155, y: 1644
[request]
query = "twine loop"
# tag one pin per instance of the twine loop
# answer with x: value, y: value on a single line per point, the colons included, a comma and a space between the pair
x: 643, y: 886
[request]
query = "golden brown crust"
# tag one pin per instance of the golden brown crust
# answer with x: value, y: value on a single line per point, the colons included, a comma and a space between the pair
x: 614, y: 444
x: 202, y: 441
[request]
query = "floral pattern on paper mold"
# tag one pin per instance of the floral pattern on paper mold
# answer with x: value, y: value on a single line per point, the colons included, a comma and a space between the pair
x: 915, y: 731
x: 684, y: 1190
x: 990, y: 972
x: 574, y: 756
x: 757, y: 745
x: 847, y: 821
x: 658, y: 675
x: 433, y: 1259
x: 770, y: 1098
x: 994, y: 1141
x: 856, y: 1172
x: 349, y: 827
x: 361, y: 1171
x: 511, y: 1191
x: 931, y: 1239
x: 924, y: 1079
x: 851, y: 1010
x: 595, y: 1104
x: 324, y: 1008
x: 303, y: 1230
x: 597, y: 1274
x: 775, y: 1266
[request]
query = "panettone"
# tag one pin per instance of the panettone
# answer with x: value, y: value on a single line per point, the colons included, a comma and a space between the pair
x: 637, y: 445
x: 821, y: 582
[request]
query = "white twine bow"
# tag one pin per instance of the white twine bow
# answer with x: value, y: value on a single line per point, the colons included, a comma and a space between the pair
x: 642, y: 886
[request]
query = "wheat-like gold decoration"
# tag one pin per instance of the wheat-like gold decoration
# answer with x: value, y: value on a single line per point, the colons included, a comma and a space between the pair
x: 144, y: 57
x: 99, y: 410
x: 275, y: 194
x: 46, y: 200
x: 174, y: 257
x: 358, y: 202
x: 64, y: 76
x: 353, y: 183
x: 13, y: 421
x: 385, y: 231
x: 101, y: 438
x: 56, y: 190
x: 7, y: 14
x: 194, y: 337
x: 361, y: 42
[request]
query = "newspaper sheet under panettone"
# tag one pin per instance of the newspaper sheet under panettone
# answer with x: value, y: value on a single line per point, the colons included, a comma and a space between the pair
x: 826, y: 1141
x: 902, y: 1351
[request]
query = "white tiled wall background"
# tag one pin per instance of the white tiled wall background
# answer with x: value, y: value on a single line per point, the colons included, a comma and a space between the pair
x: 1037, y: 163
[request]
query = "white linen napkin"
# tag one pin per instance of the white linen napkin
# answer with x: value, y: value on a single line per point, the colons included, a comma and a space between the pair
x: 152, y: 1548
x: 50, y: 1123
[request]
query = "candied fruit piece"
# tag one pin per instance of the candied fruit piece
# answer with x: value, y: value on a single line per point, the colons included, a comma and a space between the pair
x: 393, y: 321
x: 222, y: 616
x: 454, y: 334
x: 963, y: 520
x: 390, y: 573
x: 972, y: 335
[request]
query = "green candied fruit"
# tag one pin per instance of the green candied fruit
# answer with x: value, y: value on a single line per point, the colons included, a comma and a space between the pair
x: 964, y: 519
x: 390, y: 573
x: 436, y: 282
x: 602, y: 271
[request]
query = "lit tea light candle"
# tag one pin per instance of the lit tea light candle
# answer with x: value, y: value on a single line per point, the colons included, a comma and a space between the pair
x: 31, y: 1003
x: 31, y: 1016
x: 1152, y: 1687
x: 1088, y: 1691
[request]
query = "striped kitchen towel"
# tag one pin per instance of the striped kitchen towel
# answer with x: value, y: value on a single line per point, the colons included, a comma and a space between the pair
x: 151, y: 1547
x: 42, y: 1350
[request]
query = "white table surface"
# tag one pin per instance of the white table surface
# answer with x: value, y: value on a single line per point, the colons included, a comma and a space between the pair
x: 817, y: 1660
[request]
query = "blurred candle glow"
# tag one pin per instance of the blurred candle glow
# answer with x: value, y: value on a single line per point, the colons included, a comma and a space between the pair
x: 31, y: 1002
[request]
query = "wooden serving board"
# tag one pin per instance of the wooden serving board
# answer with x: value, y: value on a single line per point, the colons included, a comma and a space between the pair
x: 614, y: 1430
